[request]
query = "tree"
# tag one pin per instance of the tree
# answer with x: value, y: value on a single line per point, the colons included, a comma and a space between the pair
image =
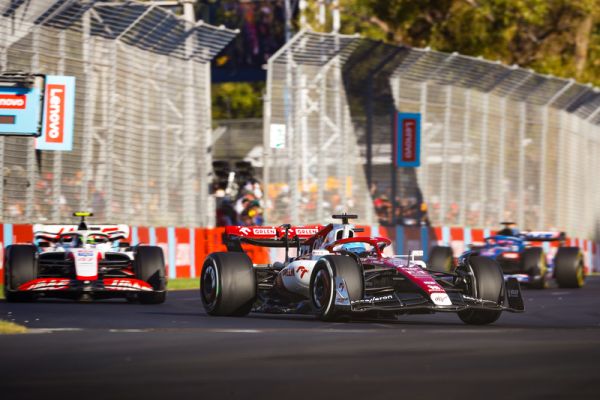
x: 237, y: 100
x: 559, y: 37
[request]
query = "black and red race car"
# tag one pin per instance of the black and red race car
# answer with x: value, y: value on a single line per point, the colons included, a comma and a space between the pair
x: 84, y: 262
x: 334, y: 273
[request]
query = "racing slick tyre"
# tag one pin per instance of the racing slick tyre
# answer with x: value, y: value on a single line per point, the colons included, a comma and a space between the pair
x: 323, y: 288
x: 20, y: 267
x: 150, y: 267
x: 569, y: 267
x: 534, y: 265
x: 440, y: 259
x: 488, y: 284
x: 228, y: 284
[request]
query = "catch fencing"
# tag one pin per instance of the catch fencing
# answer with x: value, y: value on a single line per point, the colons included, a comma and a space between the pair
x: 503, y: 143
x: 498, y: 142
x: 311, y: 166
x: 143, y: 119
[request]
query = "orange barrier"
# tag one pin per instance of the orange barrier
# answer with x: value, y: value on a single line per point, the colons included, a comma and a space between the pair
x: 185, y: 249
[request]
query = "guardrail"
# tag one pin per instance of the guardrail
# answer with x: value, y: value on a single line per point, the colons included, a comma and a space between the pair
x: 186, y: 248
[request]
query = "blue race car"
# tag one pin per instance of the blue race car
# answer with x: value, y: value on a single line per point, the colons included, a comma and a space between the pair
x: 519, y: 259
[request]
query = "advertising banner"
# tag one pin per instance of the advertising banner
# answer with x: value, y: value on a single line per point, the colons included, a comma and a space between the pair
x: 408, y: 140
x: 59, y: 114
x: 20, y: 111
x: 277, y: 136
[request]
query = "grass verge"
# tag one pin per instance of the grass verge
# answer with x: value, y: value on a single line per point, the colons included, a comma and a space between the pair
x: 9, y: 328
x: 184, y: 283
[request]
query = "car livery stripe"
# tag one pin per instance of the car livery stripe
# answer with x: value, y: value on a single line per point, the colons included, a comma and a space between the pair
x: 45, y: 284
x: 126, y: 284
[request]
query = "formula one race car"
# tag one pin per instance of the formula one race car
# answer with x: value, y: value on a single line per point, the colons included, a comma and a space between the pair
x: 519, y: 259
x: 86, y: 262
x: 338, y: 275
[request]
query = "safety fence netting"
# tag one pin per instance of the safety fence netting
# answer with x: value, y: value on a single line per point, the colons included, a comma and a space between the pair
x: 142, y: 128
x: 499, y: 143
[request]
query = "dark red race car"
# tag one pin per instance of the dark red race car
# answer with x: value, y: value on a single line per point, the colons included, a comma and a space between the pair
x: 334, y: 273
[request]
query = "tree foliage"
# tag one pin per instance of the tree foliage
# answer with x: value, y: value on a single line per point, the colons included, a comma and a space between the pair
x: 237, y: 100
x: 559, y: 37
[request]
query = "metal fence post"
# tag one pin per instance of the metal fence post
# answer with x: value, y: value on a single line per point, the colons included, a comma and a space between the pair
x: 465, y: 151
x: 445, y: 161
x: 560, y: 170
x: 425, y: 169
x: 521, y: 167
x: 483, y: 198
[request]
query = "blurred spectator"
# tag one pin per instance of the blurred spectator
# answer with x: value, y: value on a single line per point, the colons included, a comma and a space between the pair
x: 240, y: 204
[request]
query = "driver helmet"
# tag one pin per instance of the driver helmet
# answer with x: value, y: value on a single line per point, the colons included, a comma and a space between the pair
x: 356, y: 248
x: 90, y: 240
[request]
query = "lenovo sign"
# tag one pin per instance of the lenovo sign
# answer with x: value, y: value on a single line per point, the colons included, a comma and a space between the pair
x: 13, y: 101
x: 59, y: 104
x: 408, y: 140
x: 55, y: 117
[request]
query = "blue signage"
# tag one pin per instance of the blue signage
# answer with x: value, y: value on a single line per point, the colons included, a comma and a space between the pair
x: 407, y: 140
x: 20, y: 111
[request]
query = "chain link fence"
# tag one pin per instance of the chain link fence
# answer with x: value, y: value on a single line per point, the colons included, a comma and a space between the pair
x: 503, y: 143
x: 311, y: 157
x: 498, y: 142
x: 143, y: 120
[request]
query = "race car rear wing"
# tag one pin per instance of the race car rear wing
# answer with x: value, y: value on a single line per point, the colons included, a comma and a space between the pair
x: 52, y: 233
x: 267, y: 236
x: 544, y: 236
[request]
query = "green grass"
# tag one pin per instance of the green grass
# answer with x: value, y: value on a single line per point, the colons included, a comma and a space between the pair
x: 9, y: 328
x: 184, y: 283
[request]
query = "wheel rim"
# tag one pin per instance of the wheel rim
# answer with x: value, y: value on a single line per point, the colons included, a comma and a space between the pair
x: 322, y: 289
x: 210, y: 285
x: 580, y: 275
x: 448, y: 264
x: 543, y: 271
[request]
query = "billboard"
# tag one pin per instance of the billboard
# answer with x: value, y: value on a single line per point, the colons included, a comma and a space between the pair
x: 59, y: 109
x: 20, y: 107
x: 407, y: 138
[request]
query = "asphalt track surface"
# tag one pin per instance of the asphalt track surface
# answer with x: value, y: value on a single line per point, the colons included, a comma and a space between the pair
x: 116, y: 350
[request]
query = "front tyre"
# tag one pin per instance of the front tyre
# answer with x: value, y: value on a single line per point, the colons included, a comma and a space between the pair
x: 228, y: 284
x: 150, y: 267
x: 569, y: 268
x: 20, y: 267
x: 323, y: 285
x: 486, y: 283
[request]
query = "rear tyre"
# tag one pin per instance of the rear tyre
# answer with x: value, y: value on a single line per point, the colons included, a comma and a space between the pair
x: 20, y: 268
x: 488, y: 284
x: 534, y: 265
x: 440, y: 259
x: 323, y: 287
x: 569, y: 268
x: 150, y: 267
x: 228, y: 284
